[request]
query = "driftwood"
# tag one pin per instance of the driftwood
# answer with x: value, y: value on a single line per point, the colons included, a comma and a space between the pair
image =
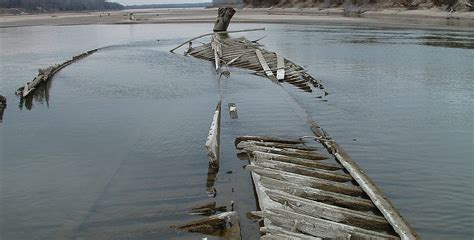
x: 46, y: 74
x: 213, y: 139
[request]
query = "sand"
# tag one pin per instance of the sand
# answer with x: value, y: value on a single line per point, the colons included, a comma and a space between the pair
x: 399, y: 18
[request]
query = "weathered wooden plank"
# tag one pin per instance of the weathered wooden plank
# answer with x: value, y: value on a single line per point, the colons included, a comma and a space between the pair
x: 274, y: 232
x: 298, y: 161
x: 213, y: 139
x: 319, y: 227
x: 305, y: 171
x: 302, y: 180
x: 355, y: 203
x: 264, y: 65
x: 213, y: 224
x: 48, y: 73
x: 277, y: 145
x: 281, y: 67
x: 376, y: 195
x: 216, y: 47
x: 266, y: 139
x: 329, y: 212
x: 289, y: 152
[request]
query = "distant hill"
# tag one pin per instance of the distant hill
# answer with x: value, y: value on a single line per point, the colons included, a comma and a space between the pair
x: 61, y: 5
x: 171, y: 5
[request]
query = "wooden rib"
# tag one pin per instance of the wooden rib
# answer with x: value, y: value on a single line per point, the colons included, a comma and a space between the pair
x: 265, y: 66
x: 274, y: 232
x: 298, y: 161
x: 334, y: 213
x: 266, y: 139
x: 277, y: 145
x: 301, y: 170
x: 376, y: 195
x: 341, y: 200
x: 319, y: 227
x: 302, y: 180
x: 289, y: 152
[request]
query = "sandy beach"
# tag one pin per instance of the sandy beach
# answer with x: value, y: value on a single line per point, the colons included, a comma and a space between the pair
x: 398, y: 18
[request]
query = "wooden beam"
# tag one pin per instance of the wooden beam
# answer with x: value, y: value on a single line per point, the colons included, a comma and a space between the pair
x: 281, y: 67
x: 289, y: 152
x: 302, y: 180
x: 375, y: 194
x: 319, y: 227
x: 213, y: 139
x: 305, y: 171
x: 265, y: 66
x: 337, y: 199
x: 298, y: 161
x: 266, y: 139
x: 329, y: 212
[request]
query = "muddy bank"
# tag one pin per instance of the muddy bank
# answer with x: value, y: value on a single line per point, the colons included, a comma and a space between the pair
x: 428, y: 18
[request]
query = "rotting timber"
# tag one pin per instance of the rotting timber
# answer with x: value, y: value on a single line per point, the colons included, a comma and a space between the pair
x: 46, y: 74
x: 302, y: 192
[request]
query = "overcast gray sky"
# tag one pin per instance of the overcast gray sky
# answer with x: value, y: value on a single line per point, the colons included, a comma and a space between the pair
x: 133, y: 2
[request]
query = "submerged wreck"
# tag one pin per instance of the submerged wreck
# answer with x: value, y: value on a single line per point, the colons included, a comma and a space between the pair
x: 303, y: 191
x: 48, y: 73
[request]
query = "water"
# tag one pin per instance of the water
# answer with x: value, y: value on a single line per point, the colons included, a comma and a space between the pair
x: 113, y: 148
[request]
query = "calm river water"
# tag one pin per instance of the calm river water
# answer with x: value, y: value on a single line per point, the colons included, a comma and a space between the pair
x: 113, y: 148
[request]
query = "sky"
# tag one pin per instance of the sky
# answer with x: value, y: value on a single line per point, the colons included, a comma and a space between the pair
x: 136, y: 2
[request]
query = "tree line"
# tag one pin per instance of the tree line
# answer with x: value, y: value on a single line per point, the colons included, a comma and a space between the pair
x: 60, y: 5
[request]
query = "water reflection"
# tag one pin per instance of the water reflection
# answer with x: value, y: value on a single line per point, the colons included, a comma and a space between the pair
x: 40, y: 95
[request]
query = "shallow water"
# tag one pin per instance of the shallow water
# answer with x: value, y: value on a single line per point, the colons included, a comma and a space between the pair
x: 113, y: 146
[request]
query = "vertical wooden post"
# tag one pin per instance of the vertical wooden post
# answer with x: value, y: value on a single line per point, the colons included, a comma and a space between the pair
x: 224, y: 15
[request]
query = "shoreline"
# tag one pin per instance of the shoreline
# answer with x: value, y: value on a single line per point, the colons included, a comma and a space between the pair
x: 392, y: 18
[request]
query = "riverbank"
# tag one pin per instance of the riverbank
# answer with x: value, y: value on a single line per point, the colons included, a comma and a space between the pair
x: 426, y: 18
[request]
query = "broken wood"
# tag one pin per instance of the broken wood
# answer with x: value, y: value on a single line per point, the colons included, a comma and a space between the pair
x: 224, y: 15
x: 245, y: 144
x: 319, y: 227
x: 266, y: 139
x: 375, y: 194
x: 329, y: 212
x: 224, y: 32
x: 281, y: 67
x: 337, y: 199
x: 288, y: 152
x: 302, y: 180
x: 265, y: 66
x: 210, y: 224
x: 233, y: 111
x: 213, y: 139
x: 48, y: 73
